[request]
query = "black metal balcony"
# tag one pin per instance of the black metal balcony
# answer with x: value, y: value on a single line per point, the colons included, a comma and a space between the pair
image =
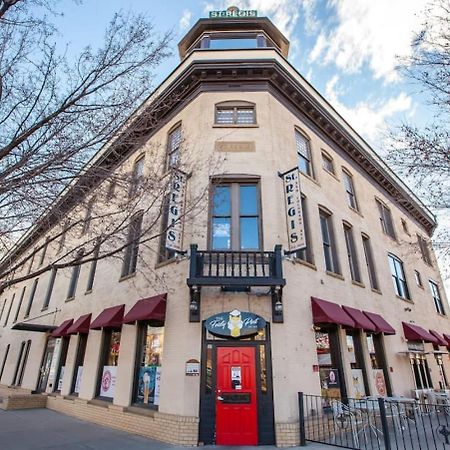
x: 235, y: 270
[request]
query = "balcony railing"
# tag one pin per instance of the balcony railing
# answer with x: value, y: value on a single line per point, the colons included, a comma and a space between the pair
x: 235, y: 269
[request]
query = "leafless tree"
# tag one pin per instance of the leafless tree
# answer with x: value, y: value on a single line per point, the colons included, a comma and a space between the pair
x: 56, y: 113
x: 423, y: 154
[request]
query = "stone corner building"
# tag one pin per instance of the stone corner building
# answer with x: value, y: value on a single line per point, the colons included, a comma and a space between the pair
x: 309, y: 268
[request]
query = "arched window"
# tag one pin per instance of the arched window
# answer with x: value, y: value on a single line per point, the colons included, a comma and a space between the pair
x: 235, y: 113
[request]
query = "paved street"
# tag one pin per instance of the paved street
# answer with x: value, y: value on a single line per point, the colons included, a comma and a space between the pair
x: 38, y: 429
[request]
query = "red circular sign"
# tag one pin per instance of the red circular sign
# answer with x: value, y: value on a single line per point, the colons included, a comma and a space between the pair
x: 106, y: 381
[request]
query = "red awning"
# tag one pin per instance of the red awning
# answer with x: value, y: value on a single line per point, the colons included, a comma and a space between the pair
x: 62, y: 329
x: 109, y: 318
x: 440, y: 339
x: 415, y: 333
x: 361, y: 321
x: 447, y: 338
x: 151, y: 308
x: 81, y: 325
x: 327, y: 312
x: 380, y: 323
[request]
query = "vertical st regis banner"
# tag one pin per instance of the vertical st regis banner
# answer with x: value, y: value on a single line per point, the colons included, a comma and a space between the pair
x: 294, y: 214
x: 177, y: 207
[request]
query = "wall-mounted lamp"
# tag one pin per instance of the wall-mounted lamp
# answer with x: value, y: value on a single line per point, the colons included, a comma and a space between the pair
x: 278, y: 307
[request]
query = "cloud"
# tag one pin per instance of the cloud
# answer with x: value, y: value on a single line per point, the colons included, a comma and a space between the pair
x: 185, y: 20
x: 368, y: 118
x: 369, y: 32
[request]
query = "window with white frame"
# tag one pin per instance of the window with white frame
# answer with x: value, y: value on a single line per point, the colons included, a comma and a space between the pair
x: 386, y: 219
x: 349, y: 189
x: 370, y: 262
x: 235, y: 113
x: 137, y: 175
x: 327, y: 162
x: 351, y: 253
x: 303, y: 147
x: 398, y: 277
x: 328, y: 241
x: 132, y: 250
x: 173, y: 147
x: 437, y: 297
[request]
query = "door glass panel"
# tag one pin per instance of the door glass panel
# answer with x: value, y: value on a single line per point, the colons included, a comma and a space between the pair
x: 262, y: 365
x: 221, y: 236
x: 249, y: 233
x: 248, y: 203
x: 209, y: 369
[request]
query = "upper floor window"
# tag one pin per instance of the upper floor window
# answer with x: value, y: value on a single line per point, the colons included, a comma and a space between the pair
x: 131, y: 251
x: 88, y: 215
x: 306, y: 254
x: 303, y: 153
x: 405, y: 227
x: 44, y: 251
x: 235, y: 216
x: 418, y: 278
x: 349, y: 189
x: 370, y: 262
x: 173, y: 147
x: 329, y: 244
x: 351, y: 253
x: 137, y: 176
x: 75, y: 275
x: 398, y: 277
x: 327, y: 162
x: 235, y: 113
x: 424, y: 249
x: 386, y: 219
x: 436, y: 297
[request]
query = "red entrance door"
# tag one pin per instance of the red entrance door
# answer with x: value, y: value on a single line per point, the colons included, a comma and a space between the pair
x: 236, y: 405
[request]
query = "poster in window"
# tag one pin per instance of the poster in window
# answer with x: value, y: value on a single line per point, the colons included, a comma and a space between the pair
x: 78, y: 379
x: 148, y: 385
x: 108, y: 383
x: 329, y: 382
x: 380, y: 383
x: 61, y: 376
x: 358, y: 383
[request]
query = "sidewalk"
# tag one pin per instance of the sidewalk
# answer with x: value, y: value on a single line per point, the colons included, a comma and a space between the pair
x: 39, y: 429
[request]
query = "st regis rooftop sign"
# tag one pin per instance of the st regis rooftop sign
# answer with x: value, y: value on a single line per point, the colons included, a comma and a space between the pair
x: 233, y: 12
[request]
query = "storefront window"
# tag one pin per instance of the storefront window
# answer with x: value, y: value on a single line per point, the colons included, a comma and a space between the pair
x: 149, y: 366
x: 330, y: 380
x: 356, y: 365
x: 420, y: 369
x: 79, y: 362
x: 443, y: 383
x: 62, y: 363
x: 110, y: 361
x: 379, y: 369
